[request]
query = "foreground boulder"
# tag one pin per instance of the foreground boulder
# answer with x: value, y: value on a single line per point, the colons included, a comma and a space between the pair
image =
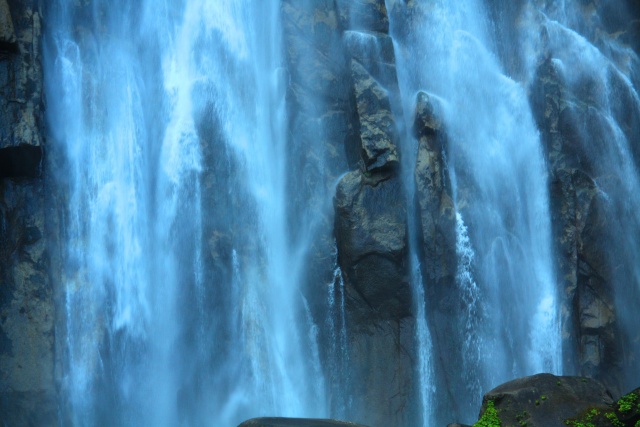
x: 296, y: 422
x: 546, y: 400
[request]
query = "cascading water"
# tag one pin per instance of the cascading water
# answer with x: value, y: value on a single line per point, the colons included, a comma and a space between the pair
x: 193, y: 210
x: 182, y: 306
x: 499, y: 184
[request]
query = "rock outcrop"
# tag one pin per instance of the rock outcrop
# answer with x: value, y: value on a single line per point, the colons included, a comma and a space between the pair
x: 27, y: 385
x: 547, y: 400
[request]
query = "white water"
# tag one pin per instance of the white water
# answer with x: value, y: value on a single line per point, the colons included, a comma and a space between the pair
x: 171, y: 120
x: 156, y: 335
x: 499, y: 184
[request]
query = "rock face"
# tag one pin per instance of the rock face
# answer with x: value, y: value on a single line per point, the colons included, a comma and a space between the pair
x: 371, y: 229
x: 27, y: 386
x: 582, y: 218
x: 296, y: 422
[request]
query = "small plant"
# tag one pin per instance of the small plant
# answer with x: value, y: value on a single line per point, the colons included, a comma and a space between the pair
x: 584, y: 422
x: 626, y: 403
x: 489, y: 417
x: 558, y: 383
x: 543, y: 397
x: 537, y: 402
x: 611, y: 416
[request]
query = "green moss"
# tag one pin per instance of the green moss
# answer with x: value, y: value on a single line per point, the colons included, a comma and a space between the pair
x: 626, y: 403
x: 489, y: 417
x: 611, y: 416
x: 584, y: 422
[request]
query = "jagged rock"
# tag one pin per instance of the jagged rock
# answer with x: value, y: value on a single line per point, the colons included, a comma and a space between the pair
x: 437, y: 212
x: 546, y: 400
x: 296, y: 422
x: 377, y: 125
x: 364, y: 15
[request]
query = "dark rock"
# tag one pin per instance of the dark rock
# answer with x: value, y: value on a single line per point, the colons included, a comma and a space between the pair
x: 575, y: 134
x: 27, y: 358
x: 23, y: 161
x: 372, y: 241
x: 546, y: 400
x: 377, y: 124
x: 296, y: 422
x: 8, y: 43
x: 436, y: 208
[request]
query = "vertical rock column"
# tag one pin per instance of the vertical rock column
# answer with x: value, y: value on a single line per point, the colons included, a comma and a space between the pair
x: 371, y: 229
x: 27, y: 388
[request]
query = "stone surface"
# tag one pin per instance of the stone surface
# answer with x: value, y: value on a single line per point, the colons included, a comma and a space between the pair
x: 372, y: 242
x: 377, y: 124
x: 582, y: 224
x: 296, y: 422
x: 27, y: 360
x: 546, y: 400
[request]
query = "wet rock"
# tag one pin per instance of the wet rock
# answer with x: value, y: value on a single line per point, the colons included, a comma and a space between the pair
x: 375, y: 52
x: 27, y: 359
x: 296, y: 422
x: 370, y: 230
x: 364, y: 15
x: 437, y: 212
x: 377, y: 124
x: 574, y: 136
x: 546, y: 400
x: 372, y: 241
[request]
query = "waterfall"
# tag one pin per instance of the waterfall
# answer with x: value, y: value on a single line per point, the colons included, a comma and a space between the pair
x: 181, y: 277
x: 200, y: 143
x: 499, y: 179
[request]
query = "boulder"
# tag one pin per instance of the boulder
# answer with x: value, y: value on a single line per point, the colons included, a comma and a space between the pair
x: 546, y: 400
x: 296, y: 422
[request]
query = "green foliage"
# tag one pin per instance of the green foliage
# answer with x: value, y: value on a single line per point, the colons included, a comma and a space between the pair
x: 611, y: 416
x: 490, y: 417
x: 584, y: 422
x: 543, y: 397
x: 626, y: 403
x: 637, y: 424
